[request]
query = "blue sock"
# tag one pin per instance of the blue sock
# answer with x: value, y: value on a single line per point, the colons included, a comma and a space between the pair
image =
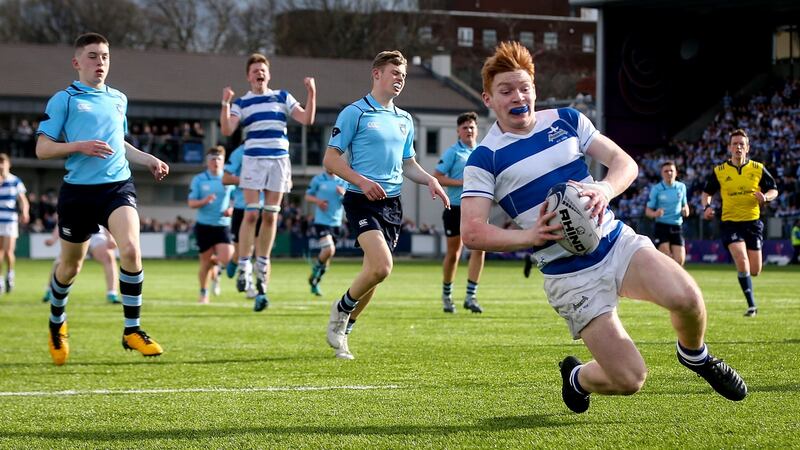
x: 347, y: 304
x: 59, y: 296
x: 447, y: 289
x: 130, y: 286
x: 472, y: 288
x: 746, y: 282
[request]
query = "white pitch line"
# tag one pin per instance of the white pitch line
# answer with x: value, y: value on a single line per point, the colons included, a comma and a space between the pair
x: 194, y: 390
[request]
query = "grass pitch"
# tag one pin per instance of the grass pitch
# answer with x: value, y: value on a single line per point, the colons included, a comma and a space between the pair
x: 232, y: 378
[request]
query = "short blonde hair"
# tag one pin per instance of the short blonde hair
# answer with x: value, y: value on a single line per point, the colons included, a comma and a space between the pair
x: 508, y: 57
x: 389, y: 57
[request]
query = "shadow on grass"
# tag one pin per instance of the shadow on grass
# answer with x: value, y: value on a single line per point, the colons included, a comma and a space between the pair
x: 491, y: 425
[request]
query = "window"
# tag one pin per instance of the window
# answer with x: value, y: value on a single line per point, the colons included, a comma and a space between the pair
x: 489, y: 38
x: 432, y: 142
x: 464, y: 37
x: 425, y: 34
x: 550, y: 40
x: 526, y: 39
x: 588, y: 43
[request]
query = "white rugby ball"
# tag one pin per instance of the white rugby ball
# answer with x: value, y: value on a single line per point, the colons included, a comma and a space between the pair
x: 581, y: 233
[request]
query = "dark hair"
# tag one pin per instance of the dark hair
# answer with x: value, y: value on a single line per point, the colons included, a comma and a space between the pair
x: 739, y: 132
x: 89, y: 39
x: 668, y: 163
x: 466, y: 117
x: 256, y: 58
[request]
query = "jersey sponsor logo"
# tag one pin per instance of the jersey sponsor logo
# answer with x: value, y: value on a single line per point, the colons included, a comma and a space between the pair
x: 729, y: 178
x: 66, y: 231
x: 362, y: 223
x: 556, y: 134
x: 373, y: 125
x: 83, y: 106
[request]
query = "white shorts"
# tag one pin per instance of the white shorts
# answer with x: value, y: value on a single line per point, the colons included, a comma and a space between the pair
x: 271, y: 174
x: 97, y: 239
x: 9, y: 229
x: 581, y: 296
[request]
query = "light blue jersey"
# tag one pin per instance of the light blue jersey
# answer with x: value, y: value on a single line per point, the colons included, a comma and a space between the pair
x: 207, y: 183
x: 10, y: 190
x: 326, y: 187
x: 452, y: 166
x: 671, y: 198
x: 83, y: 113
x: 234, y: 167
x: 377, y: 140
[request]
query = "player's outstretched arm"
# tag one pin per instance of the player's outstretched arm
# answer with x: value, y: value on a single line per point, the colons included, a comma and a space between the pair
x: 49, y: 149
x: 478, y: 234
x: 414, y: 172
x: 158, y: 168
x: 444, y: 180
x: 306, y: 115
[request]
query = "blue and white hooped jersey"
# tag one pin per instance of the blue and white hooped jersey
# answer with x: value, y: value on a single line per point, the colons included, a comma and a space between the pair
x: 10, y: 189
x: 452, y: 166
x: 377, y: 141
x: 202, y: 185
x: 671, y: 198
x: 516, y: 171
x: 234, y: 167
x: 83, y: 113
x: 325, y: 187
x: 263, y: 120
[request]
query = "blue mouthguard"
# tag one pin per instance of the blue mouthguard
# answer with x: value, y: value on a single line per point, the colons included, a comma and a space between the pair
x: 520, y: 110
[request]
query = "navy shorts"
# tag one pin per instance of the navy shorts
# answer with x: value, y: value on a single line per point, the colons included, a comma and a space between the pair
x: 319, y: 231
x: 384, y: 215
x: 751, y: 232
x: 452, y: 221
x: 82, y: 207
x: 208, y: 236
x: 236, y: 223
x: 666, y: 233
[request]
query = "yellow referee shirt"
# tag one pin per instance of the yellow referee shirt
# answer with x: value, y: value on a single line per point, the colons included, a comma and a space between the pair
x: 737, y: 186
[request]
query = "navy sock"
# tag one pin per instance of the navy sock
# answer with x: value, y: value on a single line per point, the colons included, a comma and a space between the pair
x: 746, y: 282
x: 350, y: 324
x: 573, y: 381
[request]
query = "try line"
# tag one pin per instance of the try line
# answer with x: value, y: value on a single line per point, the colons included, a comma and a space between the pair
x: 193, y: 390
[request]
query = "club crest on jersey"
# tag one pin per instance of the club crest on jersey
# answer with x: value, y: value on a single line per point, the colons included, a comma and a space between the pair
x: 556, y: 134
x: 403, y: 129
x: 120, y: 109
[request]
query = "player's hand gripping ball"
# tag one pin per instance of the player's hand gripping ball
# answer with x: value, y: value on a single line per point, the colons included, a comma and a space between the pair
x: 581, y: 233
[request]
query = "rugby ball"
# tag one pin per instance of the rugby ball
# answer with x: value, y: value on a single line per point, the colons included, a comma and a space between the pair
x: 581, y: 233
